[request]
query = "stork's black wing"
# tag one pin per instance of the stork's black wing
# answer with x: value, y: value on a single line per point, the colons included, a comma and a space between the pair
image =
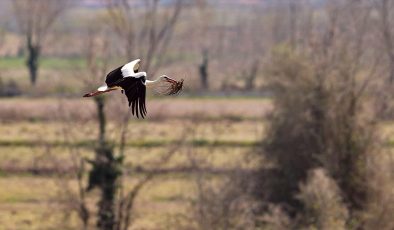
x: 135, y: 91
x: 114, y: 77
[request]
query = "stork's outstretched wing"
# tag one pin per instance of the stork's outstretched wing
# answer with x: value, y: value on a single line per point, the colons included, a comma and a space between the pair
x: 135, y: 91
x: 128, y: 70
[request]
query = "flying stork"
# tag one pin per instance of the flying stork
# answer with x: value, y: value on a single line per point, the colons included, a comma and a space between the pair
x: 133, y: 83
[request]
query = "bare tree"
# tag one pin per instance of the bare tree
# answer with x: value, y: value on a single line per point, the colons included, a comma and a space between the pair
x: 35, y: 18
x: 252, y: 75
x: 203, y: 69
x: 146, y: 32
x: 115, y: 205
x: 106, y: 167
x: 292, y: 22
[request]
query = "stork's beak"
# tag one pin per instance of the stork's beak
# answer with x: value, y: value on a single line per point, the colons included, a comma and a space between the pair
x: 170, y: 80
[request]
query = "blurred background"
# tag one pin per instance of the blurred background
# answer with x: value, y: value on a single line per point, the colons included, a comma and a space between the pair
x: 285, y: 120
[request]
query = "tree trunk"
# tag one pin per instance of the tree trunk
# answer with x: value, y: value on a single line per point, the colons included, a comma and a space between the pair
x: 100, y: 103
x: 32, y: 60
x: 109, y: 174
x: 251, y: 78
x: 204, y: 70
x: 104, y: 174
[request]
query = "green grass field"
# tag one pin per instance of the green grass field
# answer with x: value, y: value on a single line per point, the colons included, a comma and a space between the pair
x: 45, y: 63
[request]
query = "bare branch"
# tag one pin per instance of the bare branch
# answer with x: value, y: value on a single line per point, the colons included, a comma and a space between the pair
x: 149, y: 40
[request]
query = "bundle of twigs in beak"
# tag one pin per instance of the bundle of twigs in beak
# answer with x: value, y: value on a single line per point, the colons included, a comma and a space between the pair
x: 170, y: 86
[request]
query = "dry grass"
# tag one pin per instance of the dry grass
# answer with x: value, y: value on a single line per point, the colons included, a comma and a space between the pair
x: 38, y: 161
x: 34, y: 141
x: 19, y: 109
x: 33, y: 202
x: 218, y: 144
x: 244, y: 133
x: 144, y: 133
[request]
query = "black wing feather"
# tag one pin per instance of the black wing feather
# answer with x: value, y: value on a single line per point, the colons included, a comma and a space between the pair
x: 135, y: 91
x: 140, y: 101
x: 114, y: 77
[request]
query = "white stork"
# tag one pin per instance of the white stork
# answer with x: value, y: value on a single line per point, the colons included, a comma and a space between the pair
x: 134, y: 83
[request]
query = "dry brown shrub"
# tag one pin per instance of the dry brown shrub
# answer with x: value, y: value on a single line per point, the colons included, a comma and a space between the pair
x: 275, y: 218
x: 323, y: 206
x: 379, y: 210
x: 321, y: 119
x: 224, y: 205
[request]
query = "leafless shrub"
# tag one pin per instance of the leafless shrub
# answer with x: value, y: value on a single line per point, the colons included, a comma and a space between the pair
x: 220, y: 202
x: 321, y: 197
x: 276, y: 218
x: 323, y: 116
x: 380, y: 204
x: 319, y: 122
x: 224, y: 205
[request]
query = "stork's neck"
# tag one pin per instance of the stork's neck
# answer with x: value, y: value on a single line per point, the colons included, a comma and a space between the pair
x: 150, y: 84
